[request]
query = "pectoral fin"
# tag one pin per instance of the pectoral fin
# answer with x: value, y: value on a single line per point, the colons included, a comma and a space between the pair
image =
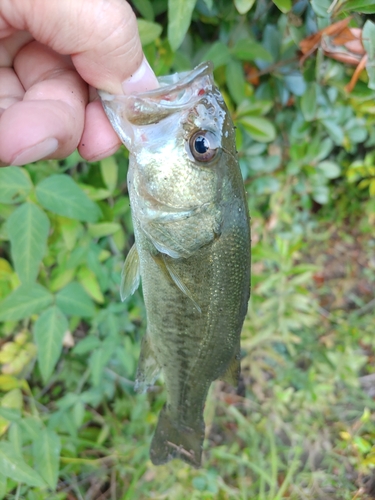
x: 173, y: 273
x: 130, y: 275
x: 232, y: 375
x: 148, y: 368
x: 170, y: 271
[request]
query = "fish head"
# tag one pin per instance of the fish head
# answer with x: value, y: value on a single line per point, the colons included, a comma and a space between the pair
x: 180, y: 137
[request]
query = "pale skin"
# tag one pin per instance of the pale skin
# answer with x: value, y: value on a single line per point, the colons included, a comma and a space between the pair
x: 53, y: 55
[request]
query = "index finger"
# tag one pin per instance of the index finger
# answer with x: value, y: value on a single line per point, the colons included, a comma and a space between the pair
x: 100, y: 35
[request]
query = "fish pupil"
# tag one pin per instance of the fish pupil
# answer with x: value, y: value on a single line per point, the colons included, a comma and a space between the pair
x: 201, y: 144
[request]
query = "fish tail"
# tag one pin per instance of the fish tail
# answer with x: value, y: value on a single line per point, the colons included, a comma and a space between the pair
x: 173, y: 440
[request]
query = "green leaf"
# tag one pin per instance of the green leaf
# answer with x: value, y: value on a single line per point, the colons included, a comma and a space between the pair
x: 179, y: 18
x: 15, y: 184
x: 3, y: 486
x: 13, y: 465
x: 330, y: 169
x: 368, y: 40
x: 364, y: 6
x: 248, y: 50
x: 144, y: 7
x: 74, y: 301
x: 49, y: 331
x: 46, y: 451
x: 109, y: 171
x: 61, y: 195
x: 283, y: 5
x: 148, y: 31
x: 24, y: 301
x: 308, y: 102
x: 28, y: 228
x: 86, y: 345
x: 89, y: 281
x: 218, y: 53
x: 321, y: 194
x: 254, y: 108
x: 235, y: 81
x: 15, y: 437
x: 103, y: 229
x: 260, y: 129
x: 243, y: 6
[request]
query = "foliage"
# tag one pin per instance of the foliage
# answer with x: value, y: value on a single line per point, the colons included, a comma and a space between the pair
x: 302, y: 425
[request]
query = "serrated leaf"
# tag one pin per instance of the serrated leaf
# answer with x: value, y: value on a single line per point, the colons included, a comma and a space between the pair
x: 364, y: 6
x: 243, y: 6
x: 74, y: 301
x: 24, y: 301
x: 259, y: 128
x: 62, y: 196
x: 28, y: 228
x: 46, y: 451
x: 109, y: 171
x: 13, y: 465
x: 283, y: 5
x: 49, y: 330
x: 179, y: 18
x: 248, y: 50
x: 148, y: 31
x: 15, y: 184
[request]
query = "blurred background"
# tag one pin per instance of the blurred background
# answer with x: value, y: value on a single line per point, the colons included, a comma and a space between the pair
x: 301, y: 425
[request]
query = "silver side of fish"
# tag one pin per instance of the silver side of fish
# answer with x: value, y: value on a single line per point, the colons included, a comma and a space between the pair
x: 192, y: 247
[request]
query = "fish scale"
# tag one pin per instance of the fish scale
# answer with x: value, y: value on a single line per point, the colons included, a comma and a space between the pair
x: 192, y: 247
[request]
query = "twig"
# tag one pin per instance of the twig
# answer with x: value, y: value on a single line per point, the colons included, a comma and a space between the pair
x: 366, y: 308
x: 119, y: 377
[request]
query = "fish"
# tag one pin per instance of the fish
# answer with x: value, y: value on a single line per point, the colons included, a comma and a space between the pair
x: 191, y: 250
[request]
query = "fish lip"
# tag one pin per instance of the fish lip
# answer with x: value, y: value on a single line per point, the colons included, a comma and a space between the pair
x: 169, y: 83
x: 177, y: 92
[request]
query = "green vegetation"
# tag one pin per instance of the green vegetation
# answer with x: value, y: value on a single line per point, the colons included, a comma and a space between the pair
x: 302, y: 424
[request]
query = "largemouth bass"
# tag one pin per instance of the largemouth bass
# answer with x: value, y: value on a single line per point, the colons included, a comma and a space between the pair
x: 192, y: 247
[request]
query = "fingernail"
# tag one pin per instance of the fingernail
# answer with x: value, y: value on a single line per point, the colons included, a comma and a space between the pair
x: 36, y: 152
x: 142, y: 80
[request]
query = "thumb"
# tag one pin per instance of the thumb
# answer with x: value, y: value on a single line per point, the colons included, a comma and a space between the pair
x: 101, y: 36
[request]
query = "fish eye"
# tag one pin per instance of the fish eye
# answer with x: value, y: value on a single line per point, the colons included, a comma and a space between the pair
x: 204, y: 145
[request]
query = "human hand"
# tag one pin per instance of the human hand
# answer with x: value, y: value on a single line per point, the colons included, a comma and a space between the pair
x: 53, y: 55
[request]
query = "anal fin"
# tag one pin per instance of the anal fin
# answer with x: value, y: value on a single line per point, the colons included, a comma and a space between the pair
x: 148, y: 368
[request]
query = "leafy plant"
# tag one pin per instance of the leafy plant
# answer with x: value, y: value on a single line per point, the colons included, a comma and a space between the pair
x: 301, y: 425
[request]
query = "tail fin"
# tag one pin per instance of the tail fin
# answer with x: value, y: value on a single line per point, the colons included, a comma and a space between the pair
x: 172, y: 440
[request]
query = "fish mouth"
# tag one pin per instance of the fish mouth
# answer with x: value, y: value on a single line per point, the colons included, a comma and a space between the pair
x: 177, y: 92
x: 170, y: 86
